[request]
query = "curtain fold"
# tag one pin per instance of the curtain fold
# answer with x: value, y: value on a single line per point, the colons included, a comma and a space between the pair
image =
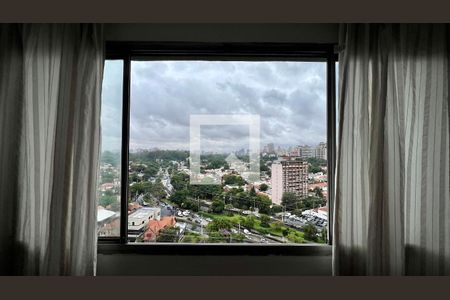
x: 50, y: 187
x: 392, y: 208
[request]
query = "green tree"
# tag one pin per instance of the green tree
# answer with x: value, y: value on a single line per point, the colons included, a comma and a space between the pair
x: 310, y: 232
x: 324, y: 235
x: 189, y: 204
x: 179, y: 181
x: 265, y: 221
x: 278, y: 225
x: 157, y: 190
x: 178, y: 197
x: 233, y: 180
x: 263, y: 187
x: 207, y: 191
x: 106, y: 200
x: 314, y: 169
x: 216, y: 237
x: 276, y: 209
x: 237, y: 238
x: 217, y: 206
x: 107, y: 177
x: 168, y: 234
x: 263, y: 203
x: 314, y: 161
x: 218, y: 224
x: 249, y: 222
x: 289, y: 200
x: 140, y: 188
x: 318, y: 192
x: 285, y: 232
x: 312, y: 202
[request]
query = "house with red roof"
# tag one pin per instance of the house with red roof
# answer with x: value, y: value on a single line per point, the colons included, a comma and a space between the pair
x: 155, y: 226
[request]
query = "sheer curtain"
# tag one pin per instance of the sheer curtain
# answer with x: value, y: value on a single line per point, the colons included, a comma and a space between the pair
x: 50, y: 85
x: 392, y: 209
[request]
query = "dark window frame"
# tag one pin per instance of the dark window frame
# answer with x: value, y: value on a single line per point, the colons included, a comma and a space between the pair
x: 128, y: 51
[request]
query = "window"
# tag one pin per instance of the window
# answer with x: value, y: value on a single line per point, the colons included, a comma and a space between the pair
x: 223, y: 144
x: 108, y: 213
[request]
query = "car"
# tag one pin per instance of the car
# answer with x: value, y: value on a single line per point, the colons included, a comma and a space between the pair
x: 246, y: 231
x: 185, y: 214
x: 179, y: 213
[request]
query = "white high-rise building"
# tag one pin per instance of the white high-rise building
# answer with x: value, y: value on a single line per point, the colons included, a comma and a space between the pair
x: 277, y: 182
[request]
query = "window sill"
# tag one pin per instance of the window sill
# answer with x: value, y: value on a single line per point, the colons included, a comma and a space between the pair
x: 216, y: 249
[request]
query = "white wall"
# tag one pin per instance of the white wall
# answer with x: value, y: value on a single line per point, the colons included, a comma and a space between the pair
x: 138, y: 264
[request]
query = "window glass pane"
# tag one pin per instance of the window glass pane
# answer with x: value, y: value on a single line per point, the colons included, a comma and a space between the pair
x: 228, y: 152
x: 108, y: 212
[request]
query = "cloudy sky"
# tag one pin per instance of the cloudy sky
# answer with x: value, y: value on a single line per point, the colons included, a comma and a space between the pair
x: 289, y: 97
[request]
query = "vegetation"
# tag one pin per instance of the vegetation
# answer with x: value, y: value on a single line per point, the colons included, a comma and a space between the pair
x: 310, y: 232
x: 107, y: 199
x: 316, y: 164
x: 109, y: 157
x: 233, y: 180
x: 318, y: 192
x: 265, y: 221
x: 193, y: 237
x: 263, y: 187
x: 215, y: 161
x: 147, y: 156
x: 150, y: 191
x: 217, y: 206
x: 244, y: 200
x: 147, y: 169
x: 219, y: 224
x: 168, y: 234
x: 107, y: 177
x: 294, y: 203
x: 275, y: 228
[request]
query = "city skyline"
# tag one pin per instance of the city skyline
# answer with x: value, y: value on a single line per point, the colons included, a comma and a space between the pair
x: 284, y: 147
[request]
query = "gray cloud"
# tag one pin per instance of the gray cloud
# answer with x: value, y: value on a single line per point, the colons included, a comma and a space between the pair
x: 290, y: 98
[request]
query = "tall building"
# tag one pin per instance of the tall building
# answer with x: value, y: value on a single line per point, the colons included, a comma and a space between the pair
x: 321, y: 151
x: 306, y: 151
x: 289, y: 176
x: 277, y: 182
x: 270, y: 148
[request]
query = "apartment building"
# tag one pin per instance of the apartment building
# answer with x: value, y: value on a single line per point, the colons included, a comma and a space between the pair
x: 319, y: 151
x: 289, y: 175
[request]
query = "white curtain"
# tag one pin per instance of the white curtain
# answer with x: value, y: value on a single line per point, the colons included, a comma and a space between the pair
x: 50, y: 86
x: 392, y: 208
